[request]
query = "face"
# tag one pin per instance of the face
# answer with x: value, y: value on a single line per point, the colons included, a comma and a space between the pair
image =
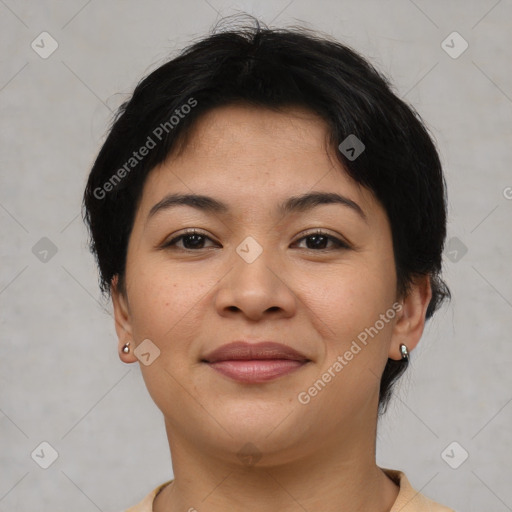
x: 314, y: 276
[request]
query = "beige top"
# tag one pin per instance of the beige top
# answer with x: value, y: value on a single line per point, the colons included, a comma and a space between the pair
x: 408, y: 500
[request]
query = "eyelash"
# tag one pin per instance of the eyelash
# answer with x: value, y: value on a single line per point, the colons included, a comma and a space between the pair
x: 338, y: 244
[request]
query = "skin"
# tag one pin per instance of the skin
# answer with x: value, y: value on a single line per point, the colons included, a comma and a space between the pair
x: 315, y: 457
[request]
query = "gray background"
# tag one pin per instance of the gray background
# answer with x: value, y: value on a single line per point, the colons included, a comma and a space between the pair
x: 60, y: 377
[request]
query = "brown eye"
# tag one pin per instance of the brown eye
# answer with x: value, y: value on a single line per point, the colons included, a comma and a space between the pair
x: 190, y: 241
x: 319, y: 240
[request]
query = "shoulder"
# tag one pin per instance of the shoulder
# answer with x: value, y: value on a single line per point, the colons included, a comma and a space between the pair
x: 146, y: 505
x: 410, y: 500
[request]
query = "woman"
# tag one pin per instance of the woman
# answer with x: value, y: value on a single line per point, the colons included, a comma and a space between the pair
x: 269, y: 219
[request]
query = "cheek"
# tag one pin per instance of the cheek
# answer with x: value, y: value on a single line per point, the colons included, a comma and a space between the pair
x: 356, y: 344
x: 350, y: 297
x: 166, y: 308
x: 163, y: 301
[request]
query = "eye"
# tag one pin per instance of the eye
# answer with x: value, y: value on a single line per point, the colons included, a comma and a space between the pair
x: 191, y: 240
x: 195, y: 240
x: 318, y: 240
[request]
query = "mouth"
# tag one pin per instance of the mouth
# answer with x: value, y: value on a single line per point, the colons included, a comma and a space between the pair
x: 255, y: 362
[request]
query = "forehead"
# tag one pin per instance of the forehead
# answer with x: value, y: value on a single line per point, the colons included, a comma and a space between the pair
x: 251, y: 155
x: 243, y: 123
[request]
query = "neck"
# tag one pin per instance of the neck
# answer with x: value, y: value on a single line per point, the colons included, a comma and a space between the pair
x: 341, y: 480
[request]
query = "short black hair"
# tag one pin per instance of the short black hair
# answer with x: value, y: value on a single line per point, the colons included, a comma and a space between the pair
x: 277, y: 68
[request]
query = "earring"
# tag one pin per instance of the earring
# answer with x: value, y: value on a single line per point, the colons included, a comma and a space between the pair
x: 126, y: 347
x: 404, y: 352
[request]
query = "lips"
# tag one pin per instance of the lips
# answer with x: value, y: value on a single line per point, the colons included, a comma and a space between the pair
x: 244, y: 351
x: 255, y: 362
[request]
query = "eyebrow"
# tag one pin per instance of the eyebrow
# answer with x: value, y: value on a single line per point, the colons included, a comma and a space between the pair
x: 302, y: 203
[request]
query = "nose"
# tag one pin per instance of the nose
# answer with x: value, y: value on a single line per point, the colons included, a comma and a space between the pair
x: 256, y: 290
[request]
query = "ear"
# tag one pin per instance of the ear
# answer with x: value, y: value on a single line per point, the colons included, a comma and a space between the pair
x: 123, y: 321
x: 410, y: 320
